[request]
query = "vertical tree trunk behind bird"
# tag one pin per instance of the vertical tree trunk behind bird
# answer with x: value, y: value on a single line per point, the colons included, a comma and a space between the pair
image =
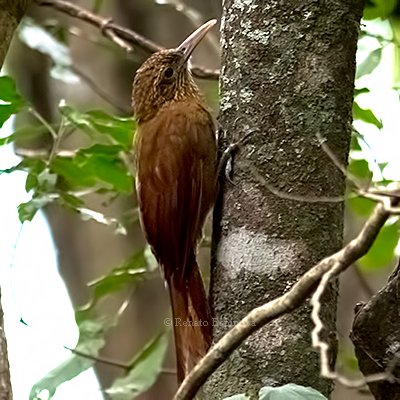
x: 287, y: 76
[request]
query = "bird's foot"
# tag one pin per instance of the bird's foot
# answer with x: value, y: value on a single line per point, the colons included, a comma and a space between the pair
x: 226, y: 160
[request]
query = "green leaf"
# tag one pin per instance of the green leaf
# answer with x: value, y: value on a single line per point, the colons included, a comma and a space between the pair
x: 91, y: 341
x: 97, y: 165
x: 33, y: 165
x: 8, y: 91
x: 355, y: 144
x: 37, y: 38
x: 379, y: 9
x: 7, y: 140
x: 31, y: 132
x: 382, y: 166
x: 382, y: 251
x: 370, y: 63
x: 11, y: 102
x: 359, y: 169
x: 6, y: 111
x: 366, y: 115
x: 128, y: 274
x: 31, y: 182
x: 70, y: 201
x: 26, y: 211
x: 144, y: 370
x: 360, y: 91
x: 109, y: 170
x: 73, y: 173
x: 290, y: 391
x: 119, y: 130
x: 28, y: 164
x: 111, y: 151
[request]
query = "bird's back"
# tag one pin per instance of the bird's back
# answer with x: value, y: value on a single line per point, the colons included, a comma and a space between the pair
x: 176, y: 179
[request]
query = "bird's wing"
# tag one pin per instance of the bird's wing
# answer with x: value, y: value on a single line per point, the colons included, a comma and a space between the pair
x: 176, y: 160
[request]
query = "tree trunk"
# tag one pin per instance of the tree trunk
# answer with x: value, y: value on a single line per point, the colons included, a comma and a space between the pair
x: 376, y: 337
x: 11, y: 11
x: 287, y: 77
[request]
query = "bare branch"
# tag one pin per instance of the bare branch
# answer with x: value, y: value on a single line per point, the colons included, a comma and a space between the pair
x: 285, y: 195
x: 100, y: 92
x: 42, y: 153
x: 113, y: 363
x: 108, y: 32
x: 118, y: 34
x: 195, y: 17
x: 284, y: 304
x: 323, y: 346
x: 342, y: 168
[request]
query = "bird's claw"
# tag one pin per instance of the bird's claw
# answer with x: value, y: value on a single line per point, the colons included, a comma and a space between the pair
x: 226, y: 160
x: 229, y: 162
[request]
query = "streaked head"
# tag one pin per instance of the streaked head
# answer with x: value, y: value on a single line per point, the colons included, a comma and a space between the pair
x: 165, y: 76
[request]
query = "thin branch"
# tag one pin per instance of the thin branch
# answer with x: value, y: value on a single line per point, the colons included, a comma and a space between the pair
x: 381, y: 39
x: 113, y: 363
x: 342, y: 168
x: 43, y: 122
x: 101, y: 360
x: 285, y: 195
x: 323, y: 346
x: 394, y: 193
x: 42, y: 153
x: 291, y: 300
x: 195, y: 17
x: 109, y: 33
x: 100, y: 92
x: 56, y: 142
x: 117, y: 33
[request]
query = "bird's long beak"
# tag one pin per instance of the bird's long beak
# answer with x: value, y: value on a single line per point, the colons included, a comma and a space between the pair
x: 191, y: 42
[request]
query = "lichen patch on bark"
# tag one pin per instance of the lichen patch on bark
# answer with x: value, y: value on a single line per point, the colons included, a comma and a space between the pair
x: 256, y: 252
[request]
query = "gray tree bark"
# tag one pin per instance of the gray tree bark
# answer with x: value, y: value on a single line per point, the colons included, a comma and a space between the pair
x: 376, y: 337
x: 11, y: 11
x: 287, y: 76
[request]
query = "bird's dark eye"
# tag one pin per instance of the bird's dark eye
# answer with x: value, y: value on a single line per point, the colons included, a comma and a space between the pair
x: 168, y: 72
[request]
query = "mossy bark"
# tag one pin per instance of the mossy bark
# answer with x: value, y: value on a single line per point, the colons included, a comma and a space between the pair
x: 287, y: 77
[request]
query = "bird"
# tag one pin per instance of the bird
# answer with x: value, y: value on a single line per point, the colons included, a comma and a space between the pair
x: 176, y: 184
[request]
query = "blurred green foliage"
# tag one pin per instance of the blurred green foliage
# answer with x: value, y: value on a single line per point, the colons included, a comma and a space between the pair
x: 143, y: 370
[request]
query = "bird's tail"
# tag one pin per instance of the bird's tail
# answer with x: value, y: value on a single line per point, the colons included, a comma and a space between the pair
x: 191, y: 319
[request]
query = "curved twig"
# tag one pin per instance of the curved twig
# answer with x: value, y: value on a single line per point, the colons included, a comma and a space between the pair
x: 117, y: 33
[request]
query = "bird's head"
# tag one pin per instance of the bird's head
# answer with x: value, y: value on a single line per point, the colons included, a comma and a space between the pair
x: 164, y: 77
